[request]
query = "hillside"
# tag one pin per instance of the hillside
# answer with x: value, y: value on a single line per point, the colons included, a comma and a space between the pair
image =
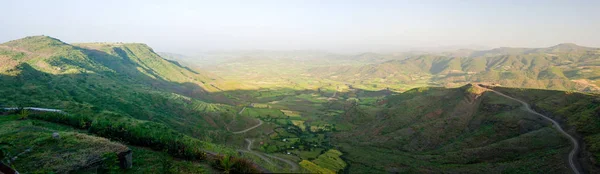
x: 128, y: 79
x: 466, y: 130
x: 563, y: 67
x: 300, y: 111
x: 109, y: 83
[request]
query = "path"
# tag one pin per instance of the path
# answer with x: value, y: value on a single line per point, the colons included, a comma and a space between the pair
x: 554, y: 124
x: 259, y: 154
x: 260, y: 122
x: 240, y: 113
x: 249, y: 150
x: 294, y: 165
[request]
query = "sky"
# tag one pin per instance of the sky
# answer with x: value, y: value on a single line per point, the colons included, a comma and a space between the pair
x: 190, y: 27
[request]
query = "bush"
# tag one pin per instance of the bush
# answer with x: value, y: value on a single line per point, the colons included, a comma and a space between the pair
x: 234, y: 165
x: 110, y: 163
x: 78, y: 121
x: 23, y: 114
x: 149, y: 134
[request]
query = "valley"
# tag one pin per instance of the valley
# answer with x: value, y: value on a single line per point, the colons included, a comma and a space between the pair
x: 304, y: 111
x: 299, y: 86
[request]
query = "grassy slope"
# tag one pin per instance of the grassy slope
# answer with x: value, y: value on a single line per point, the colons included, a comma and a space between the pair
x: 453, y: 130
x: 127, y: 80
x: 136, y: 83
x: 74, y: 150
x: 578, y: 112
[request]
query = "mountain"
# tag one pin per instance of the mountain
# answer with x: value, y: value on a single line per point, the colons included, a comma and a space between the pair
x: 564, y: 67
x: 297, y: 112
x: 95, y: 78
x: 469, y: 130
x: 564, y: 48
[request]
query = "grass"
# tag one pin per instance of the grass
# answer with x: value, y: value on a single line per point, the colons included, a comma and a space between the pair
x: 263, y: 112
x: 37, y: 152
x: 152, y: 135
x: 577, y: 111
x: 419, y: 132
x: 313, y: 168
x: 150, y: 161
x: 331, y: 160
x: 290, y: 113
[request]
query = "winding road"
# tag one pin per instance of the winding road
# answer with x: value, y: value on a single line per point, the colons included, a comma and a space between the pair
x: 261, y: 155
x: 260, y: 122
x: 555, y: 124
x: 249, y: 150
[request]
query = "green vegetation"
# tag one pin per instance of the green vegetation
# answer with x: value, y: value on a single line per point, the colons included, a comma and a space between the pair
x: 229, y: 164
x: 451, y: 130
x: 33, y: 149
x: 578, y: 112
x: 326, y: 113
x: 563, y: 67
x: 331, y: 160
x: 313, y: 168
x: 150, y: 161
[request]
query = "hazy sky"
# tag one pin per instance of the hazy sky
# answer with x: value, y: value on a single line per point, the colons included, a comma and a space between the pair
x: 369, y: 25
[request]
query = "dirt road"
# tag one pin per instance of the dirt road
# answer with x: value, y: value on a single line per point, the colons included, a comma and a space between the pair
x: 260, y: 122
x: 554, y: 124
x: 249, y: 150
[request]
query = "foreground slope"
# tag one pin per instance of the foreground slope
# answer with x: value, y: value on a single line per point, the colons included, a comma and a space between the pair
x: 33, y: 149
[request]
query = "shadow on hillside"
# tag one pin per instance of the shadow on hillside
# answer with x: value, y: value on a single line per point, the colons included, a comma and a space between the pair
x: 104, y: 93
x: 136, y: 94
x: 126, y: 68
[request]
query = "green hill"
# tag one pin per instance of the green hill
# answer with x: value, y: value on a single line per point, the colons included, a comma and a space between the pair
x: 465, y: 130
x: 317, y: 112
x: 109, y: 82
x: 127, y: 79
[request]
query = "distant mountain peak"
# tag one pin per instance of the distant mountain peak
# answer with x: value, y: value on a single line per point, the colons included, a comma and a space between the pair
x: 567, y: 45
x: 35, y: 41
x: 41, y: 38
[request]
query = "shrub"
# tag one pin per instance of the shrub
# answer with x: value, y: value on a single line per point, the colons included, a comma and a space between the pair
x: 241, y: 165
x: 23, y: 114
x: 231, y: 164
x: 110, y: 163
x: 149, y: 134
x: 78, y: 121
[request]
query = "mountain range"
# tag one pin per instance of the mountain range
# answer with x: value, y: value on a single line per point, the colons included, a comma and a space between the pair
x: 301, y: 112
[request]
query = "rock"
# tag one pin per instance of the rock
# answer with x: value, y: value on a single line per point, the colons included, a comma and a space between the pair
x: 126, y: 159
x: 55, y: 135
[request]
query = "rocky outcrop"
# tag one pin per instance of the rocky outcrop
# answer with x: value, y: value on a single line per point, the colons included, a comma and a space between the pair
x: 126, y: 159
